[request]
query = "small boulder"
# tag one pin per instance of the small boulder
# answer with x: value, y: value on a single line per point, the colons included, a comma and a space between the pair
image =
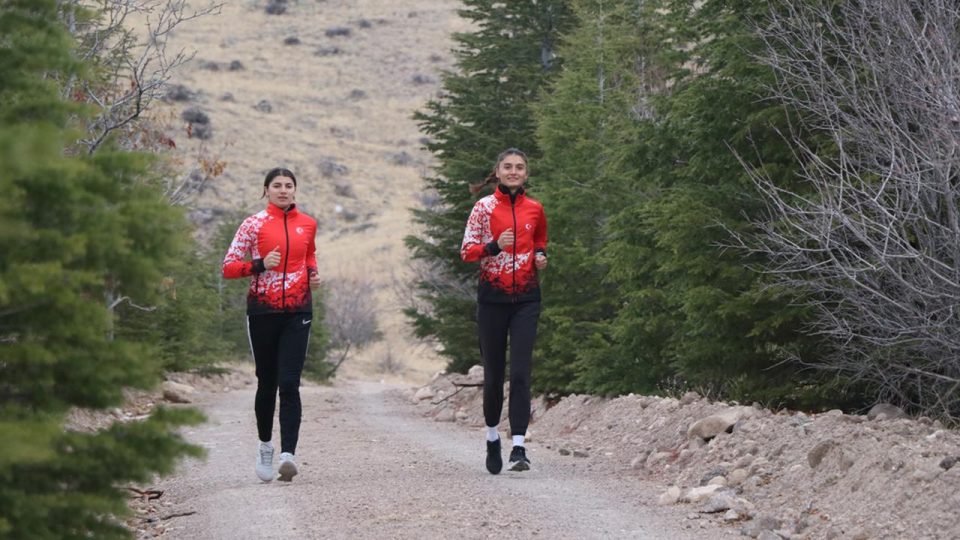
x: 700, y: 494
x: 819, y: 451
x: 715, y: 424
x: 445, y: 415
x: 175, y: 392
x: 475, y: 372
x: 888, y: 411
x: 424, y: 393
x: 670, y: 496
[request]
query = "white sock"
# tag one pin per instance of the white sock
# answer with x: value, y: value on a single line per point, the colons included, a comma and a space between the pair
x: 266, y: 444
x: 492, y: 433
x: 518, y: 440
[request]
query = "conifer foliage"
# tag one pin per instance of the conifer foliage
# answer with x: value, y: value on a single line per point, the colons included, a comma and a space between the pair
x: 641, y: 136
x: 74, y: 231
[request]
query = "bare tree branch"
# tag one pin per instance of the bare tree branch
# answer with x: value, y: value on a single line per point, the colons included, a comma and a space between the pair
x: 875, y: 235
x: 131, y: 71
x: 349, y: 314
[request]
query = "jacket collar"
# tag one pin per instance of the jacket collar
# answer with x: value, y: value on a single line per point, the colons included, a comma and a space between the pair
x: 276, y: 211
x: 503, y: 194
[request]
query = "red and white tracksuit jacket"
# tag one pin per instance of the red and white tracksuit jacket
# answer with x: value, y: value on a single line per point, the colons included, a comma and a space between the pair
x: 506, y: 276
x: 284, y: 288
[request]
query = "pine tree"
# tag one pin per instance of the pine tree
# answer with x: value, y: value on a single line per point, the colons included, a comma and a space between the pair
x: 484, y: 109
x: 75, y: 230
x: 589, y: 125
x: 706, y: 309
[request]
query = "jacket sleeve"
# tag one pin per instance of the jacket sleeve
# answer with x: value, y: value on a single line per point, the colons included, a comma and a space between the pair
x: 235, y: 264
x: 473, y: 248
x: 540, y: 234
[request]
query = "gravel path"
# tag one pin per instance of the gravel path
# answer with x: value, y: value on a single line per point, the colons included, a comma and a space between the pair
x: 370, y: 467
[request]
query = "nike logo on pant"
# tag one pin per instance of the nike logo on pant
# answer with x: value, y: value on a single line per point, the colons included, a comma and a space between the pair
x: 306, y: 321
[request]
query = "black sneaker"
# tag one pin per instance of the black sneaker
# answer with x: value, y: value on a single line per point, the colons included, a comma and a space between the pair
x: 518, y: 459
x: 494, y: 461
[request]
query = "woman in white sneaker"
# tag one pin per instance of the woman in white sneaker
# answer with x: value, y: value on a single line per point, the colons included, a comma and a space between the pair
x: 276, y: 249
x: 507, y: 234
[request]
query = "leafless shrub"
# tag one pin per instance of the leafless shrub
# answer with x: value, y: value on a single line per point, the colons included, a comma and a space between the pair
x: 329, y: 168
x: 179, y: 92
x: 350, y: 315
x: 327, y: 51
x: 877, y: 240
x: 419, y: 79
x: 341, y: 132
x: 194, y: 115
x: 132, y: 71
x: 338, y: 31
x: 390, y: 365
x: 276, y: 7
x: 432, y: 280
x: 344, y: 189
x: 401, y: 158
x: 180, y: 189
x: 429, y: 199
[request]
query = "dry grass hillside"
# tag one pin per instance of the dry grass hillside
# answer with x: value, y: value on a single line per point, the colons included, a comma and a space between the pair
x: 327, y: 89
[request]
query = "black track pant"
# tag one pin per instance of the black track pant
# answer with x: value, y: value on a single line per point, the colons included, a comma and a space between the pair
x: 279, y: 345
x: 495, y: 322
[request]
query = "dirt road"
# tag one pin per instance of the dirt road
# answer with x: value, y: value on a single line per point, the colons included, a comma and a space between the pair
x: 370, y: 467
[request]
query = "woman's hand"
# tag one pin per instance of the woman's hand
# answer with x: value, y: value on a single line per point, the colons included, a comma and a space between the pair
x: 540, y: 260
x: 272, y: 259
x: 314, y: 280
x: 506, y: 239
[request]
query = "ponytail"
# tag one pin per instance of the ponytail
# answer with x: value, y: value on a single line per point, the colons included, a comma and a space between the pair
x: 490, y: 179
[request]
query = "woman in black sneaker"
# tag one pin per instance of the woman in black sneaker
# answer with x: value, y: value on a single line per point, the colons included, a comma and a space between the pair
x: 507, y: 234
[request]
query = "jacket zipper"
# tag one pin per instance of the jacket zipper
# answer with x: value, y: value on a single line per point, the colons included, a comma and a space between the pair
x: 286, y: 256
x: 513, y: 211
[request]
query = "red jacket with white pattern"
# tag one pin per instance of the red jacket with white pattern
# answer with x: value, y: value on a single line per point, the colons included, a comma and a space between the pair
x: 284, y: 288
x: 506, y: 276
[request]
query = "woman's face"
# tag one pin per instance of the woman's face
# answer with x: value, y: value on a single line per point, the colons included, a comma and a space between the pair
x: 280, y: 191
x: 512, y: 172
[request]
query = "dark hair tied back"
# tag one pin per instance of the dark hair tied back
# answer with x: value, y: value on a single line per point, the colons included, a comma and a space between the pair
x: 279, y: 171
x: 492, y: 177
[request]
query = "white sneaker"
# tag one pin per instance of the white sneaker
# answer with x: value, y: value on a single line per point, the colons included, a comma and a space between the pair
x: 288, y: 468
x: 265, y: 461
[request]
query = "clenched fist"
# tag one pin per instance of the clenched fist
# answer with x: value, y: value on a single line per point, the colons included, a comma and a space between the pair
x: 506, y: 239
x: 272, y: 259
x: 540, y: 260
